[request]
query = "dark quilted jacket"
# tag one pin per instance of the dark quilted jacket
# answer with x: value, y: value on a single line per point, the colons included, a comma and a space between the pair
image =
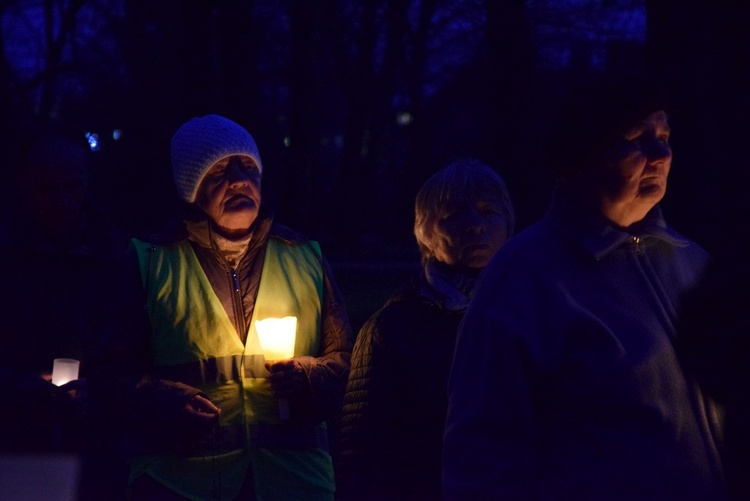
x: 395, y: 403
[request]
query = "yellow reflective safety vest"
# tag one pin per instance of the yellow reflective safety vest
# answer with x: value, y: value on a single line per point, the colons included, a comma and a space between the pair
x: 195, y: 342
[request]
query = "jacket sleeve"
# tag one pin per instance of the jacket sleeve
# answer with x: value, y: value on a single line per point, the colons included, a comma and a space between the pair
x: 145, y: 410
x: 367, y: 414
x: 489, y: 441
x: 140, y: 406
x: 328, y: 372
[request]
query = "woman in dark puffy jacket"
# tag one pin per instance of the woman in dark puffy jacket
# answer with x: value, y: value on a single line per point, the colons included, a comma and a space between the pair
x: 395, y: 403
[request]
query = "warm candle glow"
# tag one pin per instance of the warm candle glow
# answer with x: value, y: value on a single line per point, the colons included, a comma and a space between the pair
x: 276, y: 336
x: 64, y: 370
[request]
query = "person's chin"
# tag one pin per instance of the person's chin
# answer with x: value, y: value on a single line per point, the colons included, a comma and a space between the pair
x: 652, y: 191
x: 477, y: 257
x: 238, y: 219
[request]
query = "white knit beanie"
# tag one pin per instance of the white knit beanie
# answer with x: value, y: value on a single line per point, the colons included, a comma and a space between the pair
x: 201, y: 142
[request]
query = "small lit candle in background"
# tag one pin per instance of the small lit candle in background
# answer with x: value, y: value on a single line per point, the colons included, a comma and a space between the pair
x: 64, y: 370
x: 276, y: 337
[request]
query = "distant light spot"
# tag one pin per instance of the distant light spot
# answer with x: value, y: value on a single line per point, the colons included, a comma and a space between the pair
x: 116, y: 134
x: 93, y: 140
x: 404, y: 118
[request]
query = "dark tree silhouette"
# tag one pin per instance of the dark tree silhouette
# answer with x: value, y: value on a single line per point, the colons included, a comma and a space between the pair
x: 355, y: 103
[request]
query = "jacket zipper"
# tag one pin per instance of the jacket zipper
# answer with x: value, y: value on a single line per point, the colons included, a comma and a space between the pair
x: 637, y: 243
x: 235, y: 280
x: 237, y: 299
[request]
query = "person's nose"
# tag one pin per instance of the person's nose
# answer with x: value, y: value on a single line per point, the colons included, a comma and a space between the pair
x: 658, y: 151
x: 476, y: 223
x: 236, y: 173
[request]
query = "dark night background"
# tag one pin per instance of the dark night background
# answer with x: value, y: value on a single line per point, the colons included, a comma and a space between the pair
x: 354, y: 104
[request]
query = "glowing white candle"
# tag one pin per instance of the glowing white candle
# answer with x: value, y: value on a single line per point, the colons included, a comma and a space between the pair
x: 64, y: 370
x: 276, y: 336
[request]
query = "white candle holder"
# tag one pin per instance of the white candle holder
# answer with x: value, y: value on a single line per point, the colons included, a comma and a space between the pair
x: 276, y: 337
x: 64, y: 370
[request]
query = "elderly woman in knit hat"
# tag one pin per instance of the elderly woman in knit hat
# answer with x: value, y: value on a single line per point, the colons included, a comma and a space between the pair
x: 395, y: 402
x: 230, y: 425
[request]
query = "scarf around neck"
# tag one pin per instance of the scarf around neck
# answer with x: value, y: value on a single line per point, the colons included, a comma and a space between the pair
x: 451, y: 289
x: 201, y: 233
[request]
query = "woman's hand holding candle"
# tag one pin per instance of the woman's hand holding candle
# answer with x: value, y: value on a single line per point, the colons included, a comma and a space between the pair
x: 287, y: 377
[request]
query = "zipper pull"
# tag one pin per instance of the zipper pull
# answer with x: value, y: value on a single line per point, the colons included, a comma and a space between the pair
x: 235, y: 280
x: 637, y: 243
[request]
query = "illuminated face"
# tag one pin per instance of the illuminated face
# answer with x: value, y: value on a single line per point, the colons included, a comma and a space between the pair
x: 635, y: 169
x: 468, y: 232
x: 230, y: 194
